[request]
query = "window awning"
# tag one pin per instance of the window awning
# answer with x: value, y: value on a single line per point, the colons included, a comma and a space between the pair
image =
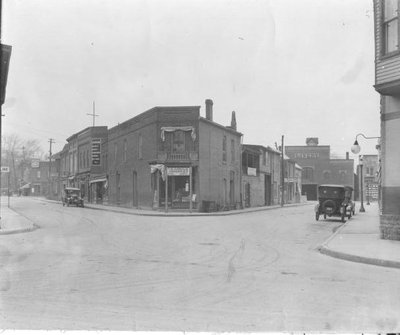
x: 26, y: 186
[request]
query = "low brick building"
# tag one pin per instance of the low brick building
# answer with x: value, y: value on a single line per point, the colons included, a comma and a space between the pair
x: 172, y: 158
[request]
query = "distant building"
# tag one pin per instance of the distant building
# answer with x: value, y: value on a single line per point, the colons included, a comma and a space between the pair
x: 387, y: 84
x: 261, y: 169
x: 318, y: 167
x: 80, y: 164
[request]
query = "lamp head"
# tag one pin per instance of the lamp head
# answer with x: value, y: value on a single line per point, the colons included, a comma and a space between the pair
x: 355, y: 148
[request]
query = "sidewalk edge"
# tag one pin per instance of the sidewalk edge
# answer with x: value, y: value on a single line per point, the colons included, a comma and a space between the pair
x: 171, y: 214
x: 18, y: 231
x: 358, y: 259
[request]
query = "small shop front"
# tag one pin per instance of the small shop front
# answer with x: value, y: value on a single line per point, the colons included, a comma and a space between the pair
x: 98, y: 188
x: 173, y: 187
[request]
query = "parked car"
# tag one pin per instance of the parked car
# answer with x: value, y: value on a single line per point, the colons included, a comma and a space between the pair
x: 72, y: 196
x: 334, y: 200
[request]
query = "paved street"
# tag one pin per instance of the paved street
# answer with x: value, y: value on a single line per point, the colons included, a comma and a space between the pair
x: 91, y: 269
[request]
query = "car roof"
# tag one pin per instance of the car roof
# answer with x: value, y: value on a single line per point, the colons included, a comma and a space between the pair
x: 331, y: 185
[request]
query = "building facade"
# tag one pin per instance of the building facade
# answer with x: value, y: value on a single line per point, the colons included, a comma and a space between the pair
x: 172, y: 158
x: 80, y: 164
x: 387, y: 84
x: 318, y: 167
x: 261, y: 170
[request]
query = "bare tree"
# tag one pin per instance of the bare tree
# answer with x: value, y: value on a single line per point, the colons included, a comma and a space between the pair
x: 17, y: 153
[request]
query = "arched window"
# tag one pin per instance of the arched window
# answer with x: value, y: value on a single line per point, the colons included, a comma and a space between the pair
x: 327, y: 175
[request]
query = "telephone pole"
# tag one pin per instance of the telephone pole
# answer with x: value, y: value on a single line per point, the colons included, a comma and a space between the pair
x: 94, y: 115
x: 51, y: 141
x: 282, y: 174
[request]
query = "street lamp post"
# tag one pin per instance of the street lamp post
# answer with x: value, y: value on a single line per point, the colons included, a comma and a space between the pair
x: 355, y: 149
x: 362, y: 209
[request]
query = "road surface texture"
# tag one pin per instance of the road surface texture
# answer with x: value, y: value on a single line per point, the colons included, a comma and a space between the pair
x: 96, y: 270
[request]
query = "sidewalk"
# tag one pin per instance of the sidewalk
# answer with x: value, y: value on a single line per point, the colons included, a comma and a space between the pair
x: 12, y: 222
x: 358, y: 240
x: 177, y: 213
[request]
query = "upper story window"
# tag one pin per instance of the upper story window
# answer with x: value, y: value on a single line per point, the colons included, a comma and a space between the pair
x: 390, y: 22
x: 140, y: 147
x: 327, y: 175
x: 232, y: 150
x: 38, y: 174
x: 115, y: 151
x: 125, y: 149
x: 178, y: 141
x: 308, y: 174
x: 224, y: 148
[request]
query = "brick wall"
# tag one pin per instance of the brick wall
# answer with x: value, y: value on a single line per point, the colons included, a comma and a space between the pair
x: 390, y: 227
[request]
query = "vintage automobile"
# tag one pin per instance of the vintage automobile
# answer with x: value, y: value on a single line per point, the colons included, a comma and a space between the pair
x: 72, y: 196
x: 334, y: 200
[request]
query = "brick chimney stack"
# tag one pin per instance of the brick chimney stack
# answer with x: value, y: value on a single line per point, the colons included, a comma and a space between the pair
x: 209, y: 109
x: 233, y: 121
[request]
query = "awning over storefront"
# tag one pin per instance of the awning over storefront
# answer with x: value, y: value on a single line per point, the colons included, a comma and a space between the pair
x: 26, y: 186
x: 98, y: 180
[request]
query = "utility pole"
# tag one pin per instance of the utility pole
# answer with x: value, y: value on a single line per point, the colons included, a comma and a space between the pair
x: 94, y: 115
x: 51, y: 141
x: 282, y: 174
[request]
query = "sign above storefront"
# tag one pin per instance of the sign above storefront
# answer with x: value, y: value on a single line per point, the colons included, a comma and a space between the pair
x: 178, y: 171
x: 96, y: 151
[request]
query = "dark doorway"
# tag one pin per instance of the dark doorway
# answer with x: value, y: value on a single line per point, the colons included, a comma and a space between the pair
x: 310, y: 190
x: 267, y: 190
x: 134, y: 190
x: 118, y: 188
x: 232, y: 189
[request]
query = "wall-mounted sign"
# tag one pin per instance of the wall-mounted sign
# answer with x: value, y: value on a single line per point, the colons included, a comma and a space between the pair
x: 35, y: 163
x: 96, y: 151
x: 251, y: 171
x: 306, y: 155
x: 5, y: 169
x: 178, y: 171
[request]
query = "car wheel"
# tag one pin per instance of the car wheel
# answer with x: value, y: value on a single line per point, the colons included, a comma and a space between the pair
x: 325, y: 216
x: 343, y: 217
x: 317, y: 216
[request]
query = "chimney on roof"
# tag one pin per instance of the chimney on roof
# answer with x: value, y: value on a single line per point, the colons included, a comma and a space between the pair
x: 347, y: 155
x: 233, y: 121
x: 209, y: 109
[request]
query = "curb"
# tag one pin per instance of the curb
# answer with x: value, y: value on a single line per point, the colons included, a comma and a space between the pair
x: 358, y: 259
x: 184, y: 214
x: 17, y: 231
x: 171, y: 214
x: 323, y: 249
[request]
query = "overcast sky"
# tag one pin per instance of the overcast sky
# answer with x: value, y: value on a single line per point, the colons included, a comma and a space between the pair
x: 294, y: 68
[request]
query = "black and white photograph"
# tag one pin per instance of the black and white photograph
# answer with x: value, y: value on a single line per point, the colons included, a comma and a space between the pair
x: 218, y: 166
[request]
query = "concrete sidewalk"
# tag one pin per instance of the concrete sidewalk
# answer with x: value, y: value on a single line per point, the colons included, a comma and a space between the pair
x: 12, y: 222
x: 358, y: 240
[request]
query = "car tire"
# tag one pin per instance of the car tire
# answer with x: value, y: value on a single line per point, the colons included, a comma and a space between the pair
x: 325, y: 216
x: 343, y: 217
x: 317, y: 216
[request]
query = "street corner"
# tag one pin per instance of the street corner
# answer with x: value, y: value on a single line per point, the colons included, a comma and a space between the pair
x: 12, y: 222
